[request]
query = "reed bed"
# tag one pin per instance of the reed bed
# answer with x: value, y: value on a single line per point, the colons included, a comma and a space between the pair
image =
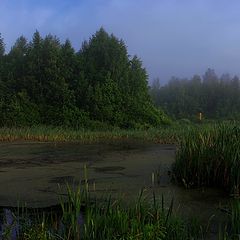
x: 210, y: 156
x: 106, y: 219
x: 163, y: 135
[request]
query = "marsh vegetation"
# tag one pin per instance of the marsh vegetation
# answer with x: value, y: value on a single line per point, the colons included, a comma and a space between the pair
x: 209, y: 156
x: 81, y: 217
x: 50, y: 94
x: 121, y: 218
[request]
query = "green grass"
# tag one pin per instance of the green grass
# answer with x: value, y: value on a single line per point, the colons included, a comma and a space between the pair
x: 106, y: 219
x: 164, y: 135
x: 115, y: 219
x: 210, y: 156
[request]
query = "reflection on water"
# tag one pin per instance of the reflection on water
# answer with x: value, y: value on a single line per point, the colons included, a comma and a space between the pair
x: 8, y: 225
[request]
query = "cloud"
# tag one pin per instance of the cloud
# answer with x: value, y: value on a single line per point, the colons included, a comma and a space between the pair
x: 172, y: 37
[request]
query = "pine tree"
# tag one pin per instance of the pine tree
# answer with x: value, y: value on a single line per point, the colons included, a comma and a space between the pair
x: 105, y: 65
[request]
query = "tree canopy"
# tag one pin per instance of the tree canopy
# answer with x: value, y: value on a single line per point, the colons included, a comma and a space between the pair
x: 45, y: 81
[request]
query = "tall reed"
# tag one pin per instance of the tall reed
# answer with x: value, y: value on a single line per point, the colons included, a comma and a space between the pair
x: 81, y: 218
x: 210, y: 156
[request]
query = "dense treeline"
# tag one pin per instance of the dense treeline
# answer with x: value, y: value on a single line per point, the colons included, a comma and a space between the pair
x: 46, y: 82
x: 216, y: 97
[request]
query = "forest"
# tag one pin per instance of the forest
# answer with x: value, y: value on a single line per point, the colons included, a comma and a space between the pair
x: 98, y: 101
x: 46, y: 82
x: 215, y: 97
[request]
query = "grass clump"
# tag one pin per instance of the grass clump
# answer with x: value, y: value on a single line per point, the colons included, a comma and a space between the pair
x: 210, y: 156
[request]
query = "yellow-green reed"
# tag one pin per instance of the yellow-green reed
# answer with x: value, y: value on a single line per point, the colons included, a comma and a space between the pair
x: 163, y: 135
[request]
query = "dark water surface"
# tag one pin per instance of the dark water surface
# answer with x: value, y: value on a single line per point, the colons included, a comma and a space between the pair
x: 31, y: 173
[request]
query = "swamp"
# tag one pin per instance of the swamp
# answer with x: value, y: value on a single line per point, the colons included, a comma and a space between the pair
x: 39, y: 178
x: 90, y: 151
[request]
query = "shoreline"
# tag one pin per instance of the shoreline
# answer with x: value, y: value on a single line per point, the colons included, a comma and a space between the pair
x: 53, y: 134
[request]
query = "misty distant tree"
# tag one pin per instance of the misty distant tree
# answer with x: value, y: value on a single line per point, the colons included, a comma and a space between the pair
x: 211, y: 90
x: 216, y: 98
x: 210, y: 77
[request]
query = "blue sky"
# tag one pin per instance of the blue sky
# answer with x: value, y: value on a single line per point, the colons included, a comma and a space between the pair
x: 172, y: 37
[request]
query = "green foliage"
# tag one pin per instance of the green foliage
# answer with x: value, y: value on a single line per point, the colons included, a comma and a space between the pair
x: 18, y: 111
x: 117, y: 90
x: 46, y: 82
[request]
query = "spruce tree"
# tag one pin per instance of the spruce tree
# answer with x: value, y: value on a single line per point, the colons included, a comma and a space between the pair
x: 116, y: 89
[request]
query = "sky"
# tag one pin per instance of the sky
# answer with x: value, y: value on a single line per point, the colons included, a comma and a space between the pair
x: 172, y: 37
